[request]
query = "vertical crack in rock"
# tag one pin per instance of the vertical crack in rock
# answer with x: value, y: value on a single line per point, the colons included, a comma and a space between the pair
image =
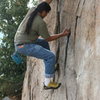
x: 76, y: 95
x: 80, y: 8
x: 29, y: 85
x: 66, y: 53
x: 58, y: 16
x: 52, y: 94
x: 66, y: 94
x: 29, y: 80
x: 75, y: 32
x: 58, y: 31
x: 32, y: 93
x: 95, y: 12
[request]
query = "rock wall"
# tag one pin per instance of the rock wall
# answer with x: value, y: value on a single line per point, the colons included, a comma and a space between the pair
x: 78, y: 56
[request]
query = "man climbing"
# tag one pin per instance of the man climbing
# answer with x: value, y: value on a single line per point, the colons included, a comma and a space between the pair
x: 27, y: 41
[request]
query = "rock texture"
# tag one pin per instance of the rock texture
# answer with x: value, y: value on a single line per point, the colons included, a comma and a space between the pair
x: 78, y: 56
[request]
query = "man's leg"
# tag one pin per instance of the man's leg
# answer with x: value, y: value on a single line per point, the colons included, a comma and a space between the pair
x: 43, y: 43
x: 40, y: 52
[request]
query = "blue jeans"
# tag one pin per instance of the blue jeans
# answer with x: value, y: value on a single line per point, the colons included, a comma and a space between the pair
x: 40, y: 49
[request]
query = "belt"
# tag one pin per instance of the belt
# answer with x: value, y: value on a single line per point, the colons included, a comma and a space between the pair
x: 23, y: 44
x: 20, y: 44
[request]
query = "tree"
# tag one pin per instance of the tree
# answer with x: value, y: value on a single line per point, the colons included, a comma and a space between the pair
x: 11, y: 75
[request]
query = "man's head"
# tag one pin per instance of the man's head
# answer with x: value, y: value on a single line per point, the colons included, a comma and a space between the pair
x: 43, y: 14
x: 43, y: 9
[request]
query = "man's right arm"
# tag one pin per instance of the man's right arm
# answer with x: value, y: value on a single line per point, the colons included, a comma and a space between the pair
x: 54, y: 37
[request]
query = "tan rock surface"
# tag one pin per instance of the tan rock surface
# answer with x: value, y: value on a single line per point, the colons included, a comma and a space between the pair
x: 78, y: 58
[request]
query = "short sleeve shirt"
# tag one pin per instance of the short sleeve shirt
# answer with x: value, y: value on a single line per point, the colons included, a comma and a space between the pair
x: 43, y: 31
x: 39, y: 28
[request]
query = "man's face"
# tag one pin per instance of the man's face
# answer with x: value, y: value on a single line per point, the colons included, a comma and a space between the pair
x: 44, y: 14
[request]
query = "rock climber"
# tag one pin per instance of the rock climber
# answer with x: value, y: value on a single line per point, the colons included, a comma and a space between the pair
x: 28, y: 42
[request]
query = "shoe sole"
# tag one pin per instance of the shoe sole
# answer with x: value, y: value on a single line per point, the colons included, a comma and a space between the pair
x: 47, y: 88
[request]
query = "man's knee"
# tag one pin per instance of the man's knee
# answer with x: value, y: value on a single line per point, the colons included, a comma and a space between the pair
x: 52, y: 56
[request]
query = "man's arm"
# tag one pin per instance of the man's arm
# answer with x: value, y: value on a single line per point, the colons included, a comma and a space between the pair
x: 48, y: 1
x: 54, y: 37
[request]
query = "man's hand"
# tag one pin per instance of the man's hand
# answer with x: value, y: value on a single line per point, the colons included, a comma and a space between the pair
x: 66, y: 32
x: 48, y: 1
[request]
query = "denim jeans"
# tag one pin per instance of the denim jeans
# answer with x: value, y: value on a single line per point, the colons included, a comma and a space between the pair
x: 40, y: 49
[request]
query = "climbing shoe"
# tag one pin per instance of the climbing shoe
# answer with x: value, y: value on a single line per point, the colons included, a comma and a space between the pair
x: 52, y: 85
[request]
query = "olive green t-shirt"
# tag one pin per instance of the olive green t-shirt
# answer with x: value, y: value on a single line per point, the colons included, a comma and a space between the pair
x: 39, y: 28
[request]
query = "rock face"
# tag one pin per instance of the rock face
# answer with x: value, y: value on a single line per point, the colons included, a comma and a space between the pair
x: 78, y: 56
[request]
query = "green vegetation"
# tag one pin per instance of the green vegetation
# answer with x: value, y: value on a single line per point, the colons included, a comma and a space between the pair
x: 11, y: 75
